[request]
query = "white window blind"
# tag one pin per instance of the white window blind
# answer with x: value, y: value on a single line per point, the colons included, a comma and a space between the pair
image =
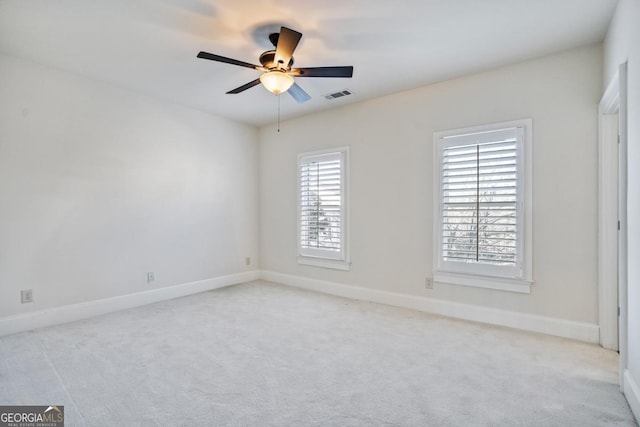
x: 480, y: 202
x: 483, y: 206
x: 321, y: 221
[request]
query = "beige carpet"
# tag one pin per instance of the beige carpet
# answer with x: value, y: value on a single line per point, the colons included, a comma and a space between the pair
x: 260, y: 354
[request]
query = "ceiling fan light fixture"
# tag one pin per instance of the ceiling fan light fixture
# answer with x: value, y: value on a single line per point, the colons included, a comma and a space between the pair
x: 276, y: 82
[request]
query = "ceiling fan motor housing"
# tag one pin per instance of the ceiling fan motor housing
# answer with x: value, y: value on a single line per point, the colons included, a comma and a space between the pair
x: 267, y: 61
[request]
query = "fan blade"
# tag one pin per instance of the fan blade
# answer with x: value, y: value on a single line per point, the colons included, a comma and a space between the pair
x: 244, y: 87
x: 298, y: 94
x: 323, y: 72
x: 287, y: 42
x: 213, y: 57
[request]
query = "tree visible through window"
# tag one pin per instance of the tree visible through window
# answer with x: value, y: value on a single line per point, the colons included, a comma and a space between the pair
x: 479, y: 202
x: 320, y: 204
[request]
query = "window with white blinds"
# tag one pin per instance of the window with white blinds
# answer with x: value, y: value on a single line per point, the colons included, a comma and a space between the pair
x: 322, y: 207
x: 483, y: 203
x: 479, y: 202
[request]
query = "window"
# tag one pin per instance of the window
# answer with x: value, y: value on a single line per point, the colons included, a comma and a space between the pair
x: 322, y: 208
x: 483, y: 206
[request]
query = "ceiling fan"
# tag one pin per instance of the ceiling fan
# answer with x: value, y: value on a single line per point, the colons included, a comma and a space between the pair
x: 277, y: 76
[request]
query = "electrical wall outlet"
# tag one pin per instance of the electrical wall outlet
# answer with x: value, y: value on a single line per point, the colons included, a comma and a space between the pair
x: 26, y: 296
x: 151, y: 276
x: 247, y: 261
x: 428, y: 283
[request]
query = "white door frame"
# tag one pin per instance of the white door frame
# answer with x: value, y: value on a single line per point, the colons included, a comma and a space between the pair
x: 608, y: 217
x: 612, y: 223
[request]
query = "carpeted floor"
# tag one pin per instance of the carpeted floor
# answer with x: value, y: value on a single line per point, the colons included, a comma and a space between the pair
x: 260, y: 354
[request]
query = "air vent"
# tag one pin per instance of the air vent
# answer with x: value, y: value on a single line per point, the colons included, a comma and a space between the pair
x: 340, y: 94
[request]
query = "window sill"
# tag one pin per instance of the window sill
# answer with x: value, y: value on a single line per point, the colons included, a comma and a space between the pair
x: 496, y: 283
x: 324, y: 263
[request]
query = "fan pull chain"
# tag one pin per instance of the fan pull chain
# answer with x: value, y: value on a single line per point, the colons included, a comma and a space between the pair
x: 278, y: 96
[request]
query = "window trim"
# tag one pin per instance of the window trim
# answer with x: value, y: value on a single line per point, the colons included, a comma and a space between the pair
x: 487, y: 276
x: 341, y: 262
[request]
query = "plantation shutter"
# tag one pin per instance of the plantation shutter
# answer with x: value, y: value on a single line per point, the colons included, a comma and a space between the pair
x: 321, y: 205
x: 479, y: 198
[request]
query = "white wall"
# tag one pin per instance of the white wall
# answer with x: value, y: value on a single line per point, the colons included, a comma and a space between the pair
x: 391, y: 182
x: 623, y: 44
x: 99, y: 185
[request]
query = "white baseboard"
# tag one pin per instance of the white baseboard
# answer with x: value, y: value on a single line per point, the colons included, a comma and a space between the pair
x: 70, y: 313
x: 632, y: 393
x: 559, y: 327
x: 580, y: 331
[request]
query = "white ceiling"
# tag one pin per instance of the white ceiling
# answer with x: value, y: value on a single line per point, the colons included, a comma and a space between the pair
x: 150, y: 46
